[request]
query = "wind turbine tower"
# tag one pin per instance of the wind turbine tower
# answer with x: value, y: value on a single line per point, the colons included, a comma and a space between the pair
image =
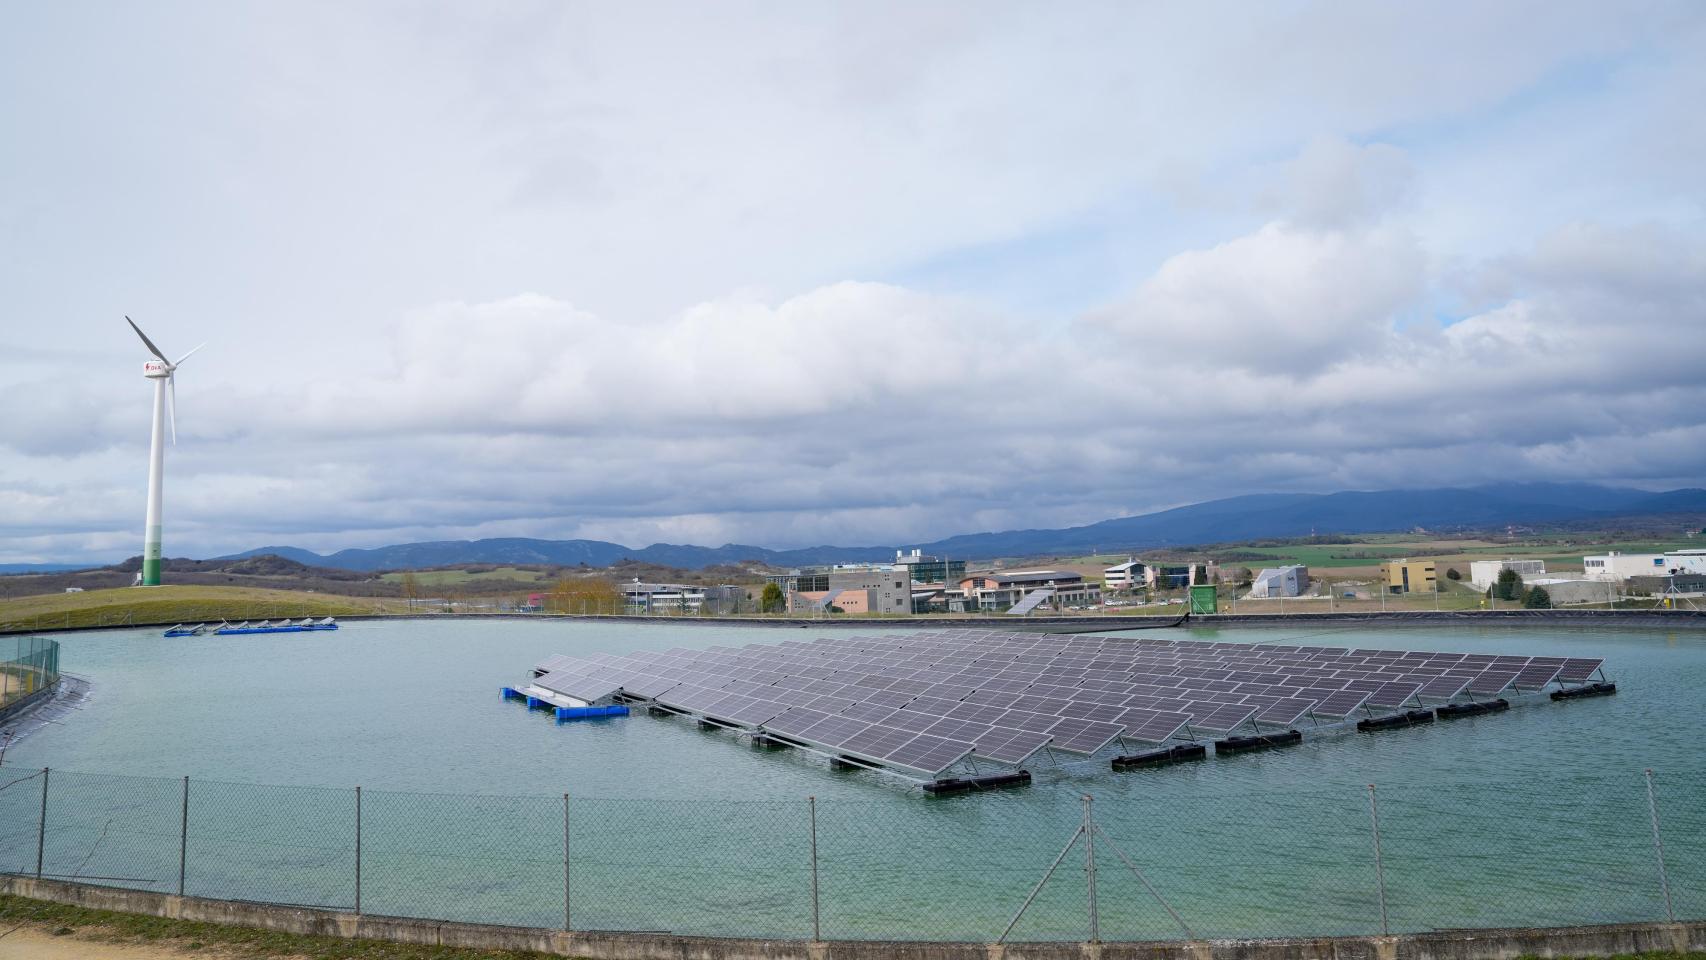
x: 164, y: 374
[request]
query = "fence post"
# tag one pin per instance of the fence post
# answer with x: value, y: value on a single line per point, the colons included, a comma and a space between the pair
x: 358, y: 851
x: 1379, y: 869
x: 1659, y: 847
x: 184, y: 837
x: 817, y: 932
x: 41, y: 825
x: 1090, y: 869
x: 567, y: 921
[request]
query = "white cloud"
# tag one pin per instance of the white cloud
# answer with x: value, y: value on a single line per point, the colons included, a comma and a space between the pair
x: 352, y: 202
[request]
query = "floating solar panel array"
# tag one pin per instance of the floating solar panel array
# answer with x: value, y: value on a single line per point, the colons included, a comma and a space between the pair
x: 923, y: 702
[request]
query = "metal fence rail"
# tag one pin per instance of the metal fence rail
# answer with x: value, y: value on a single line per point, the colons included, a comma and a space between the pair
x: 27, y: 664
x: 1566, y: 850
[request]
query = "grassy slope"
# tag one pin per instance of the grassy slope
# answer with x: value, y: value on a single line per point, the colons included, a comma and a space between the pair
x: 176, y: 604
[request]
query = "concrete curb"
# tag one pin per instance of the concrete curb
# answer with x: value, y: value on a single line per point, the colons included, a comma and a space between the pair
x: 1491, y: 944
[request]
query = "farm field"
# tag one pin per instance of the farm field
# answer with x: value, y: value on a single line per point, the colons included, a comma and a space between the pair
x: 439, y: 578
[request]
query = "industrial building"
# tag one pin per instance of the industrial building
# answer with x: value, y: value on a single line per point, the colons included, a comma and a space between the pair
x: 638, y: 597
x: 874, y: 590
x: 1275, y: 582
x: 1617, y: 567
x: 925, y: 569
x: 1058, y: 588
x: 1563, y: 591
x: 1411, y: 576
x: 1484, y: 573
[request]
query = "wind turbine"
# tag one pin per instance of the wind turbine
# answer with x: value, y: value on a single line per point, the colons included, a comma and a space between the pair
x: 164, y: 374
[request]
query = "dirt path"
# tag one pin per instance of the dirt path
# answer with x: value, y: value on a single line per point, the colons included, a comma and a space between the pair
x: 38, y: 943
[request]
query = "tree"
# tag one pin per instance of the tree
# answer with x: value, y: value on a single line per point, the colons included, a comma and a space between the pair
x: 1244, y: 577
x: 1537, y: 599
x: 1452, y: 574
x: 411, y: 588
x: 1508, y: 586
x: 770, y: 601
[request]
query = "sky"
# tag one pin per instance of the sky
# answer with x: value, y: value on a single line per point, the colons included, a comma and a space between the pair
x: 789, y: 274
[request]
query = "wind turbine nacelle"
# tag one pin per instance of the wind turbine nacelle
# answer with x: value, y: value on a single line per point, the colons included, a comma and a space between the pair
x: 156, y: 370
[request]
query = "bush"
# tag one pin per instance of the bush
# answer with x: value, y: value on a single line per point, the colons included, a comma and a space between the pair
x: 1452, y: 574
x: 1537, y: 599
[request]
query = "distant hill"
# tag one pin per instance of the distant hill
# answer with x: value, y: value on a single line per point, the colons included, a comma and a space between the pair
x: 6, y: 568
x: 1233, y: 519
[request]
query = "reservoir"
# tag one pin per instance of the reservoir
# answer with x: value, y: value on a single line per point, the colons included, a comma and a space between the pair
x: 1536, y: 816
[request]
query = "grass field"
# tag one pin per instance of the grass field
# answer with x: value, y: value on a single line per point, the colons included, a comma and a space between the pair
x: 440, y: 578
x: 177, y: 604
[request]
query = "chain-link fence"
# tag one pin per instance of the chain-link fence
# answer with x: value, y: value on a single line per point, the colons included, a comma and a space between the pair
x: 1420, y: 856
x: 27, y: 665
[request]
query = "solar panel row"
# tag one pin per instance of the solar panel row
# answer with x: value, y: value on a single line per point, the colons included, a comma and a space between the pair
x: 924, y: 701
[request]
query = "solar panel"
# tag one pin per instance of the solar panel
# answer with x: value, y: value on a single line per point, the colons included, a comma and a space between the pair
x: 1393, y: 694
x: 1221, y: 716
x: 1284, y: 712
x: 1492, y: 680
x: 1084, y: 736
x: 1537, y: 674
x: 1444, y: 687
x: 1152, y: 726
x: 925, y: 697
x: 578, y: 687
x: 928, y: 754
x: 1006, y: 745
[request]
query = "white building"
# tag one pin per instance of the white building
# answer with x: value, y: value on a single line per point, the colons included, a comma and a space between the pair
x: 1129, y: 575
x: 1485, y: 573
x: 1617, y: 567
x: 1275, y: 582
x: 1686, y: 561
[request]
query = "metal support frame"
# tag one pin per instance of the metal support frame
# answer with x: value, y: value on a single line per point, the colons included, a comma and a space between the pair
x: 567, y: 916
x: 1089, y: 830
x: 817, y: 931
x: 184, y: 837
x: 41, y: 825
x: 358, y: 850
x: 1379, y: 867
x: 1659, y: 848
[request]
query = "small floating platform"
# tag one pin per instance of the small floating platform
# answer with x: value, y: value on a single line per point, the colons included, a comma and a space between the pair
x: 305, y: 625
x: 965, y: 784
x: 1410, y: 718
x: 1588, y: 690
x: 1264, y: 741
x: 1178, y: 753
x: 564, y: 708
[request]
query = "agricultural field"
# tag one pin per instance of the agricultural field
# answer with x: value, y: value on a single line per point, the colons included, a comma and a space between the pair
x: 459, y: 576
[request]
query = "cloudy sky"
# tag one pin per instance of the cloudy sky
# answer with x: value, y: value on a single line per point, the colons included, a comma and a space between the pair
x: 864, y: 273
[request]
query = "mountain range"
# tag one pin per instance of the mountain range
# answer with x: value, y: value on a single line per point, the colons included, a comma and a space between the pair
x: 1234, y: 519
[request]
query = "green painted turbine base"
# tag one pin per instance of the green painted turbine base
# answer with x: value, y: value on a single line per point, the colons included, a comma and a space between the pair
x: 151, y: 559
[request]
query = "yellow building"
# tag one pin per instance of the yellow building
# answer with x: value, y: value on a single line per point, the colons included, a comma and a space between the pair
x: 1410, y: 576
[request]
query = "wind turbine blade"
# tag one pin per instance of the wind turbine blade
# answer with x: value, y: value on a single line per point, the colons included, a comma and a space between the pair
x: 151, y: 347
x: 187, y: 355
x: 172, y: 405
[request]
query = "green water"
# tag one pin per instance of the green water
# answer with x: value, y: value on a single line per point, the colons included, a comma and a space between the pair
x: 1537, y: 816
